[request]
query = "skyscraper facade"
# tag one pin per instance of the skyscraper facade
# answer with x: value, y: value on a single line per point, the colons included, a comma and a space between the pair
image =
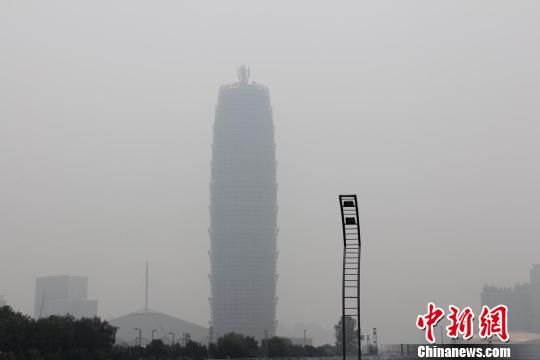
x: 243, y: 212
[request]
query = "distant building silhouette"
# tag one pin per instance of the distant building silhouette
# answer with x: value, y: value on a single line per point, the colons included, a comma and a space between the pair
x: 523, y: 302
x: 62, y: 295
x: 302, y: 341
x: 165, y: 327
x: 243, y: 212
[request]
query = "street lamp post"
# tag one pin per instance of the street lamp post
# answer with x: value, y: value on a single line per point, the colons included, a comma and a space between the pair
x: 140, y: 336
x: 266, y: 343
x: 305, y: 331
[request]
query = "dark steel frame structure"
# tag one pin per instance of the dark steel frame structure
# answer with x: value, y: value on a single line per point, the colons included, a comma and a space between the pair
x: 352, y: 245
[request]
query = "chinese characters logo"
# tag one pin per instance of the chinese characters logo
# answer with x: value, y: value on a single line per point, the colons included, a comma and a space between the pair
x: 492, y: 321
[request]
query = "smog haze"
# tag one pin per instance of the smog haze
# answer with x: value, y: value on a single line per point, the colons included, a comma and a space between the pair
x: 428, y: 111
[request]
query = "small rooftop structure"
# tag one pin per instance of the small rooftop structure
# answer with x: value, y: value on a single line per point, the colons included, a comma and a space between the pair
x: 243, y: 74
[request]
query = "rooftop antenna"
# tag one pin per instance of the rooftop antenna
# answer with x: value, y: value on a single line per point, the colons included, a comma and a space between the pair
x: 243, y: 74
x: 146, y: 292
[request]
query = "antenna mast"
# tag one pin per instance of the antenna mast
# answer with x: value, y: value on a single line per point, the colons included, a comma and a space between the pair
x: 146, y: 292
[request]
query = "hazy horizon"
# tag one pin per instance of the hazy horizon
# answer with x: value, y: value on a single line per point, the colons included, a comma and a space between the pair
x: 428, y: 111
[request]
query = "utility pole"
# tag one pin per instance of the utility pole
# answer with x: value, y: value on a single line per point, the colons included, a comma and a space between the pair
x: 172, y: 334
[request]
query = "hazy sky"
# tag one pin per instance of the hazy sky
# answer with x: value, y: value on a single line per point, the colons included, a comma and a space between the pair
x: 429, y: 111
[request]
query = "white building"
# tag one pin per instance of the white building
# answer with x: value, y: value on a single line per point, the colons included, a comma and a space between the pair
x: 243, y: 212
x: 62, y: 295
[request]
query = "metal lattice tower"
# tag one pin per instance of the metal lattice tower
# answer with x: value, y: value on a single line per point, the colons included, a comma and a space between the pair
x: 351, y: 267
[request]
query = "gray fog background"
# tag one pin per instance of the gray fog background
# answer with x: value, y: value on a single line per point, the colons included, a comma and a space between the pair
x: 429, y: 111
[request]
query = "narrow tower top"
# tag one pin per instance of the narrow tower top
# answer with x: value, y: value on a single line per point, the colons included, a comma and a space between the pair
x: 146, y: 290
x: 243, y: 74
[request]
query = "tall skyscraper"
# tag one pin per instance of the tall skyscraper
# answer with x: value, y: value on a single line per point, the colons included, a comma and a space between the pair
x: 243, y: 212
x: 62, y: 295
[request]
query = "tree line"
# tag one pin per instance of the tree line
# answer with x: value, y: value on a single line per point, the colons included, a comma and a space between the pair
x: 64, y: 337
